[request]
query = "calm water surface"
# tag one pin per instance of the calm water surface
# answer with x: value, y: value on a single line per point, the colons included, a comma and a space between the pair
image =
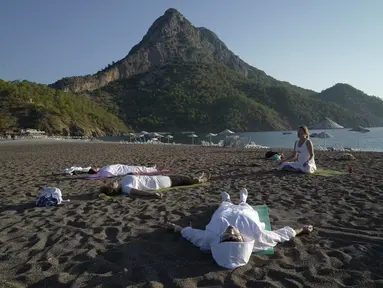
x: 371, y: 141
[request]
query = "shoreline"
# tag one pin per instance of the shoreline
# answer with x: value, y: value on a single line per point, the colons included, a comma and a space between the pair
x: 163, y: 144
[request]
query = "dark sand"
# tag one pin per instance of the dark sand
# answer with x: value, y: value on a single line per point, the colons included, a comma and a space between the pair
x: 90, y: 242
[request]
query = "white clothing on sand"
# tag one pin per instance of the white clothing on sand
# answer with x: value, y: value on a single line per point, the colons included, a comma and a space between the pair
x: 144, y: 183
x: 303, y: 157
x: 235, y: 254
x: 120, y: 170
x: 53, y: 192
x: 76, y: 169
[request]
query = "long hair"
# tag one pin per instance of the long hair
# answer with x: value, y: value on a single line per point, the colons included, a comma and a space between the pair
x: 305, y: 130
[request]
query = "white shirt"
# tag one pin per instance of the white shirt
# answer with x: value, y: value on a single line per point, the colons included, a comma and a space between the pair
x: 246, y: 220
x: 121, y: 169
x: 144, y: 183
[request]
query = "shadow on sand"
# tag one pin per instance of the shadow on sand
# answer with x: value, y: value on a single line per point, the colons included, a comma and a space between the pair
x: 160, y: 256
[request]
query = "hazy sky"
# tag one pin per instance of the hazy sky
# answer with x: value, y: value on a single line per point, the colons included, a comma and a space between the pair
x: 313, y: 44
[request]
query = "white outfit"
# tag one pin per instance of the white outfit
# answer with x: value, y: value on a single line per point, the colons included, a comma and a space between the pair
x: 76, y: 169
x: 144, y: 182
x: 120, y: 170
x: 303, y: 157
x: 53, y: 192
x: 234, y: 254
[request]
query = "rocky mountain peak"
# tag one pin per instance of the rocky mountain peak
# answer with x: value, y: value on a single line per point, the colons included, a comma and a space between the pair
x: 170, y: 38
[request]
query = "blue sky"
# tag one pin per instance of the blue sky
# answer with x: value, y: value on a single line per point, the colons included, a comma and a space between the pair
x: 313, y: 44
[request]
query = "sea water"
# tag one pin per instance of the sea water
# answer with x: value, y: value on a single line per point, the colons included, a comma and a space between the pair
x: 370, y: 141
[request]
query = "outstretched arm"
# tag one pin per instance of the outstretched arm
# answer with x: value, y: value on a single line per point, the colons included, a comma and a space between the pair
x: 140, y: 193
x: 195, y: 236
x: 268, y: 239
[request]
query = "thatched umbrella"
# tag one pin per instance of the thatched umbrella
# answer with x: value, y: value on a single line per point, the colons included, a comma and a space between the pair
x: 169, y: 137
x: 130, y: 136
x: 225, y: 132
x: 144, y: 133
x: 157, y: 135
x: 193, y: 136
x: 211, y: 135
x: 326, y: 124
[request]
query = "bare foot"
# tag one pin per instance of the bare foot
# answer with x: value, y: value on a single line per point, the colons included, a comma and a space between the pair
x: 158, y: 195
x: 205, y: 176
x: 305, y: 229
x: 174, y: 227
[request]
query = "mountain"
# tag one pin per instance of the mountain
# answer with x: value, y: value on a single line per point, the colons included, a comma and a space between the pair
x: 30, y: 105
x: 353, y: 99
x: 180, y: 77
x: 171, y: 38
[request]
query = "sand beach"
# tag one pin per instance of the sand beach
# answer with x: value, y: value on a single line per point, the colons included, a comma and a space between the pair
x: 90, y: 242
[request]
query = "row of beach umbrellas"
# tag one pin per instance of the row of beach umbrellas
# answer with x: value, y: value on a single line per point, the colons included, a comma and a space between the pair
x: 142, y: 134
x: 224, y: 132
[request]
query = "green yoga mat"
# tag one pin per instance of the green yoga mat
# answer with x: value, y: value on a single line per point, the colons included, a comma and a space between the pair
x: 263, y: 213
x: 106, y: 197
x: 181, y: 187
x: 328, y: 173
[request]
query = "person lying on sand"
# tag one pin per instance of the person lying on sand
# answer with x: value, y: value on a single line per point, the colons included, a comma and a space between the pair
x: 305, y: 151
x: 145, y: 185
x: 111, y: 170
x: 234, y: 232
x: 120, y: 170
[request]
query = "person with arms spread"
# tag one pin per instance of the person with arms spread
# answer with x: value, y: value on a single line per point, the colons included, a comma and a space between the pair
x: 146, y: 185
x: 121, y: 170
x: 303, y: 148
x: 235, y: 232
x: 113, y: 170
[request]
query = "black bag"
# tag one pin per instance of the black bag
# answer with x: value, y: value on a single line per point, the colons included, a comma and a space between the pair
x: 270, y: 154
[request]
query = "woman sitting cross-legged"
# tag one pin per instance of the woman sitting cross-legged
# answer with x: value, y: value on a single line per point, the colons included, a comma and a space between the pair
x: 145, y: 185
x: 303, y: 147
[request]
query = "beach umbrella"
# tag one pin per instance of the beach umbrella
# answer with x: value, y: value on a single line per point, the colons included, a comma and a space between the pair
x: 325, y: 124
x: 169, y: 137
x: 130, y: 136
x: 192, y: 136
x: 211, y: 135
x: 360, y: 130
x: 144, y: 133
x: 156, y: 135
x: 141, y: 136
x: 226, y: 131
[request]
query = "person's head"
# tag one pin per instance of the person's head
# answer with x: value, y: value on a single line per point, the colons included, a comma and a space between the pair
x: 111, y: 189
x: 93, y: 170
x: 233, y: 249
x: 231, y: 234
x: 303, y: 132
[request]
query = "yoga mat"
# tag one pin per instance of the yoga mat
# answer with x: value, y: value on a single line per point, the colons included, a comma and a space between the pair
x: 181, y: 187
x: 95, y: 176
x: 328, y: 172
x: 106, y: 197
x: 263, y: 213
